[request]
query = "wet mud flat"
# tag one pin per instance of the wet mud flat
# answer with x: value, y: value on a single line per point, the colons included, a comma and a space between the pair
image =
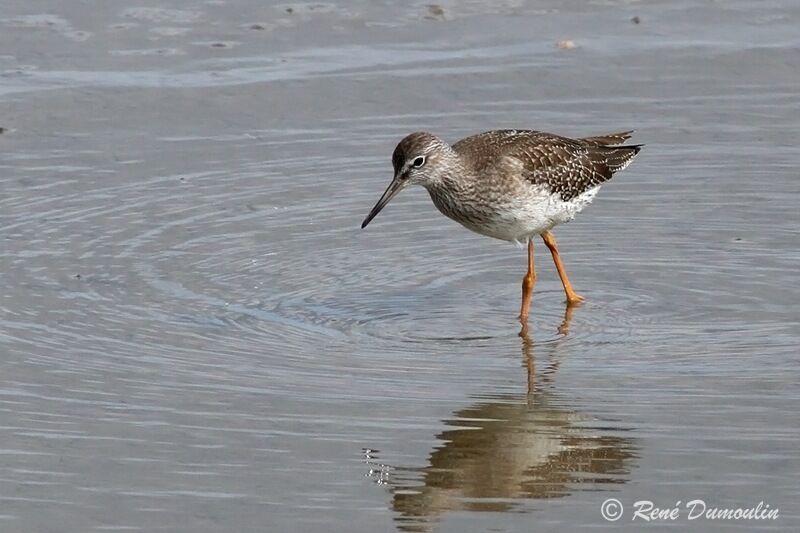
x: 196, y: 336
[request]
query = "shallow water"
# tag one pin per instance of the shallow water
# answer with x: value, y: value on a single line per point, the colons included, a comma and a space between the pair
x: 196, y: 336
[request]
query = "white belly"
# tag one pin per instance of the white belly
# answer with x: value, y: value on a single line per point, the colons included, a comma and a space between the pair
x: 531, y: 216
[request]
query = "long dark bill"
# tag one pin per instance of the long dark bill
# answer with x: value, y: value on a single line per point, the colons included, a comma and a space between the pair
x: 394, y: 187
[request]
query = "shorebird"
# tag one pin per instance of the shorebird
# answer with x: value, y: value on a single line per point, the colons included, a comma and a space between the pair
x: 510, y: 184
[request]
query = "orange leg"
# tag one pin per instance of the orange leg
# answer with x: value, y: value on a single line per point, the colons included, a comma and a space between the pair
x: 527, y: 286
x: 573, y: 298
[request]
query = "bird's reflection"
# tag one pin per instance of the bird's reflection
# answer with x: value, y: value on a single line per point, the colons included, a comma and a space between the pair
x: 513, y: 447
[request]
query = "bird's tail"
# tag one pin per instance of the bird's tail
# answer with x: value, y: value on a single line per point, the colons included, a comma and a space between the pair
x: 619, y: 157
x: 609, y: 139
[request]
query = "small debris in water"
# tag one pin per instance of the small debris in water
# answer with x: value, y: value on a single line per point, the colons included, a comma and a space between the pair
x: 289, y: 10
x: 567, y: 44
x: 435, y: 12
x: 77, y: 276
x: 636, y: 19
x: 2, y: 129
x: 219, y: 45
x: 258, y: 27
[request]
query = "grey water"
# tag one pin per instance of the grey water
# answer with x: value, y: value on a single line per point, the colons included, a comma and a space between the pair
x: 195, y: 335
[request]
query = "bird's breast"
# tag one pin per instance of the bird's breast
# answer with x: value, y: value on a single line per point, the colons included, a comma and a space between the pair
x: 515, y: 217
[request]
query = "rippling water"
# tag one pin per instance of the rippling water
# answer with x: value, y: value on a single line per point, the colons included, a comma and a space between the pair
x: 196, y: 336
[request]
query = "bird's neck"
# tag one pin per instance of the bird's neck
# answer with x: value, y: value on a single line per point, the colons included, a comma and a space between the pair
x: 453, y: 177
x: 453, y: 190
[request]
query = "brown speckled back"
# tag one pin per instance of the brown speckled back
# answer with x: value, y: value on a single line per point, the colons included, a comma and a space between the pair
x: 565, y: 166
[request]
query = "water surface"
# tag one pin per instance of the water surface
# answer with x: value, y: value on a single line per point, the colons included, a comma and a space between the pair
x: 196, y: 336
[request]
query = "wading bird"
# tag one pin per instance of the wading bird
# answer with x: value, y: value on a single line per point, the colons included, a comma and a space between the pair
x: 510, y: 184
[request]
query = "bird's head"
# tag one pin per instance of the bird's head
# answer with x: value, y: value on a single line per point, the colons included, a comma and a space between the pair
x: 419, y: 159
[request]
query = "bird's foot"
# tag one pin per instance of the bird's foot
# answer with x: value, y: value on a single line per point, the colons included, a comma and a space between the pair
x: 574, y: 299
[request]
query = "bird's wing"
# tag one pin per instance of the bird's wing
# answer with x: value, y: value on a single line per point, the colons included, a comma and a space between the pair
x: 566, y: 166
x: 570, y: 167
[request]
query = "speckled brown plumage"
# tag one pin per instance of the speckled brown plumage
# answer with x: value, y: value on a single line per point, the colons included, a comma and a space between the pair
x: 503, y: 183
x: 510, y: 184
x: 568, y: 167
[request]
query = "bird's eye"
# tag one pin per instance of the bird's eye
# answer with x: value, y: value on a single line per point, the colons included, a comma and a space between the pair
x: 418, y: 162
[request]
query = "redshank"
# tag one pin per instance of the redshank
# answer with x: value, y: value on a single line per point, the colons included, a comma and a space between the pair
x: 510, y: 184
